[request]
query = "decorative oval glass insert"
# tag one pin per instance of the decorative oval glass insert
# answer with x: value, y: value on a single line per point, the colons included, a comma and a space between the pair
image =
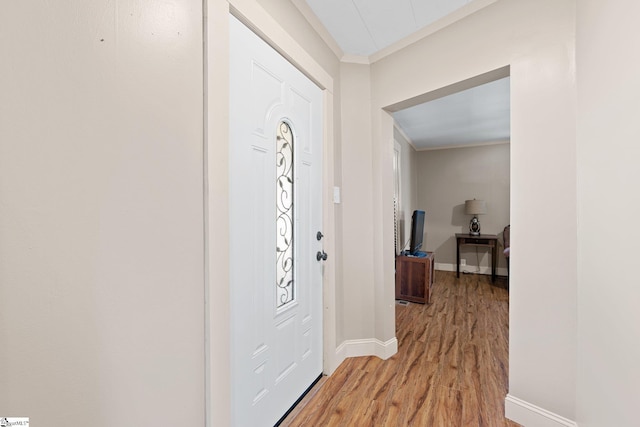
x: 284, y: 215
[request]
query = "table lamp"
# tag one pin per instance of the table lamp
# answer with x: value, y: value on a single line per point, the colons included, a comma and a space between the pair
x: 475, y: 207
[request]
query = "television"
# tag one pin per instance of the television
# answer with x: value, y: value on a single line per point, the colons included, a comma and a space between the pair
x: 417, y: 233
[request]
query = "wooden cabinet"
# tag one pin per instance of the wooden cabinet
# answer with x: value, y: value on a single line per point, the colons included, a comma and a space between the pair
x: 414, y: 278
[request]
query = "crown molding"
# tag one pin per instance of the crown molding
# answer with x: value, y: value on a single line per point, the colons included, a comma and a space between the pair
x: 441, y: 23
x: 472, y: 145
x: 456, y: 15
x: 404, y: 135
x: 355, y: 59
x: 315, y: 23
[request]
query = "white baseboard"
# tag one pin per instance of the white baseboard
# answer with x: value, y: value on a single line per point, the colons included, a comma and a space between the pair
x: 367, y: 347
x: 442, y: 266
x: 332, y: 363
x: 533, y: 416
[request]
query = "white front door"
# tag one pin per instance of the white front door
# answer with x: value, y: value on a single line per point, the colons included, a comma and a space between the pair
x: 275, y: 209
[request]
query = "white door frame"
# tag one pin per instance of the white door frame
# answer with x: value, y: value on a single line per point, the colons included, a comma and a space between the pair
x: 217, y: 305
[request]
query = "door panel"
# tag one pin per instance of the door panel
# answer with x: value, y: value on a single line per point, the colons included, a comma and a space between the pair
x: 276, y: 327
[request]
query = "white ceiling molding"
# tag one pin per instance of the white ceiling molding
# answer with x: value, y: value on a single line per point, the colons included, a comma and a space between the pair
x: 452, y: 147
x: 355, y: 59
x: 363, y: 27
x: 374, y: 29
x: 343, y: 21
x: 456, y: 15
x: 404, y: 135
x: 315, y: 23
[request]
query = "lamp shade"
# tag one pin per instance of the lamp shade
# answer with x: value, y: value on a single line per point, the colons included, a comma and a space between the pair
x: 475, y: 207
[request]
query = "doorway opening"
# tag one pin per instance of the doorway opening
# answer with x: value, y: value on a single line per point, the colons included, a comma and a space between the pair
x: 452, y: 145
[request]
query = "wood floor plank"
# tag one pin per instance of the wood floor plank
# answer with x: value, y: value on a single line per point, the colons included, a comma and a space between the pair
x: 451, y: 368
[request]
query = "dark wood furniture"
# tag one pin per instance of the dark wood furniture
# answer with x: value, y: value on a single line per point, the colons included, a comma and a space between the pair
x: 487, y: 240
x: 506, y: 239
x: 414, y: 278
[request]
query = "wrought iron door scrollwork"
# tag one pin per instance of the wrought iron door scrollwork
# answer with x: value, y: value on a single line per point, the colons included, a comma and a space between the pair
x: 284, y: 215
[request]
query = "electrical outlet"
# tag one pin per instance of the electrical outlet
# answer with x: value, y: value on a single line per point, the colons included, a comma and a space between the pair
x: 463, y: 262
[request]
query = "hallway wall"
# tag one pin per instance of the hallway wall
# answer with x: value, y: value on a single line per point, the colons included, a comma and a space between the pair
x: 608, y: 317
x: 101, y: 213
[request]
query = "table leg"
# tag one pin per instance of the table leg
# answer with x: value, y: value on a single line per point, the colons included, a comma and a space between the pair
x: 457, y: 259
x: 494, y: 256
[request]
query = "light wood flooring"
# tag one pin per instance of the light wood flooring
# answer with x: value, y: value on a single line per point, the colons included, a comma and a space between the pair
x: 451, y: 368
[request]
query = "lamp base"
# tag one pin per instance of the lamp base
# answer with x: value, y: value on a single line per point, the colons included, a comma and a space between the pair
x: 474, y: 226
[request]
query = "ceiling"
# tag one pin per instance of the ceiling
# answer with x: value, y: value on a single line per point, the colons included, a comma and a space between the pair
x: 365, y: 28
x: 478, y: 115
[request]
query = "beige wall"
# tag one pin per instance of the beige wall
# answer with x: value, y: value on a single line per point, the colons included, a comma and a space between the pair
x: 448, y: 177
x: 536, y: 40
x: 357, y: 202
x: 101, y: 223
x: 608, y: 64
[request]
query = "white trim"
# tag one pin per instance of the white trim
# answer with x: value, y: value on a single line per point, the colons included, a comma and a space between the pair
x: 329, y: 315
x: 315, y: 23
x: 404, y: 135
x: 336, y: 359
x: 457, y: 15
x: 397, y: 193
x: 531, y: 415
x: 217, y: 338
x: 466, y: 10
x: 355, y: 59
x: 443, y: 266
x: 472, y: 144
x: 367, y: 347
x: 324, y: 34
x: 266, y: 27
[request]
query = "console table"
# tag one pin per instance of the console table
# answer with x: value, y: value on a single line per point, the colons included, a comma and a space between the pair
x: 414, y: 278
x: 487, y: 240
